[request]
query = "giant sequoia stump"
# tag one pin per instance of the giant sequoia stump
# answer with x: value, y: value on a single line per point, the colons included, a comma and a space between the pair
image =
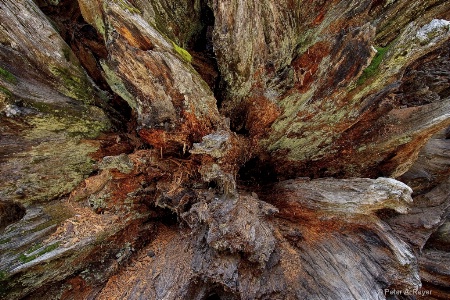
x: 212, y: 149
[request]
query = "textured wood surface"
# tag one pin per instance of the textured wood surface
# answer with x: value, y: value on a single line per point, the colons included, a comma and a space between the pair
x: 235, y: 149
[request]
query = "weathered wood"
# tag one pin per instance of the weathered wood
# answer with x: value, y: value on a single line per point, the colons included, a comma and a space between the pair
x: 47, y: 108
x: 302, y: 88
x: 431, y: 167
x: 440, y: 239
x: 244, y: 249
x: 426, y: 214
x: 184, y: 163
x: 435, y: 272
x: 174, y: 106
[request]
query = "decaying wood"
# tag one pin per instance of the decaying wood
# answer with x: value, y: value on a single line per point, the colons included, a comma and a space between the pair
x: 288, y: 249
x: 217, y: 149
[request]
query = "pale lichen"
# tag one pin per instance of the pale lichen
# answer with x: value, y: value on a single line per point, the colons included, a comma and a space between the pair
x: 100, y: 25
x: 121, y: 162
x: 215, y: 144
x: 82, y: 126
x: 99, y: 202
x: 117, y: 86
x: 430, y: 31
x: 58, y: 159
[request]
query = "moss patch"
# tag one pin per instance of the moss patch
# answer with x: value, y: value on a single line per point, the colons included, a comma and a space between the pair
x: 3, y: 282
x: 34, y: 248
x: 74, y: 85
x: 44, y: 226
x: 57, y: 213
x: 3, y: 275
x: 5, y: 241
x: 182, y: 52
x: 8, y: 76
x: 372, y: 69
x: 56, y: 157
x: 5, y: 91
x: 26, y: 257
x: 67, y: 53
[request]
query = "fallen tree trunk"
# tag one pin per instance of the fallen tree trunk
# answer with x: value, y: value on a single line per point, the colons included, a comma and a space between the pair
x: 224, y: 149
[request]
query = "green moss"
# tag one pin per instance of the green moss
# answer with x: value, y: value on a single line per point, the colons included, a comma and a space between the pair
x: 404, y: 140
x: 3, y: 282
x: 300, y: 140
x: 64, y: 165
x: 5, y: 241
x: 44, y: 225
x: 372, y: 69
x: 75, y: 84
x: 24, y: 257
x: 8, y: 76
x: 58, y: 212
x: 5, y: 91
x: 362, y: 148
x: 291, y: 105
x: 182, y: 52
x: 57, y: 110
x: 3, y: 275
x: 34, y: 248
x: 59, y: 160
x: 49, y: 248
x: 66, y: 52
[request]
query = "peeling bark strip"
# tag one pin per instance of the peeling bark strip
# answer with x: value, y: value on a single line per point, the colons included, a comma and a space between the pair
x: 211, y: 149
